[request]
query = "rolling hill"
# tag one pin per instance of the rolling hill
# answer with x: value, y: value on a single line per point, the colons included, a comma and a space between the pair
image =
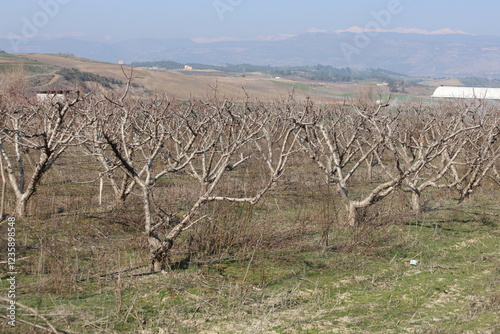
x: 180, y: 83
x: 409, y: 53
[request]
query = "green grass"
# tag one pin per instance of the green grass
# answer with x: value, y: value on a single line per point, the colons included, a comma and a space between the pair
x: 272, y: 272
x: 8, y: 56
x: 453, y: 289
x: 28, y: 67
x: 10, y: 63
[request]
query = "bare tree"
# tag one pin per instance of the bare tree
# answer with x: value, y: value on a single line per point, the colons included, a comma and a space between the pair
x: 437, y: 138
x: 481, y: 151
x: 159, y: 138
x: 341, y: 139
x: 32, y: 138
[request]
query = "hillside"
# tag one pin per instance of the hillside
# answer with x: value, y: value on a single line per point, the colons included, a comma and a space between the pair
x: 199, y: 83
x: 410, y: 53
x: 181, y: 84
x: 20, y: 72
x: 322, y: 83
x: 11, y: 62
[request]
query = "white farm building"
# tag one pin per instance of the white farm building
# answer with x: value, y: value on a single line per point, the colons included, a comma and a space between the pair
x: 467, y: 93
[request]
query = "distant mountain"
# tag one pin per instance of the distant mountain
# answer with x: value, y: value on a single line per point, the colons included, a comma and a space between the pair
x: 410, y: 53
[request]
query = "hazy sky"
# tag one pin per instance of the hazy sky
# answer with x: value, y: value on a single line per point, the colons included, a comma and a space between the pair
x: 239, y: 19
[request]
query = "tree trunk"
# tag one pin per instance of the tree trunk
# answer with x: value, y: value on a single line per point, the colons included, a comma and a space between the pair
x: 416, y: 207
x: 122, y: 191
x: 369, y: 170
x: 157, y: 262
x: 159, y: 250
x: 120, y: 199
x: 2, y: 204
x: 23, y: 198
x: 101, y: 185
x: 4, y: 185
x: 21, y: 203
x: 352, y: 215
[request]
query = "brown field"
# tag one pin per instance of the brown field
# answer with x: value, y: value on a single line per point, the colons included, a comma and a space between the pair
x: 10, y: 61
x: 175, y: 82
x: 184, y: 84
x: 196, y: 83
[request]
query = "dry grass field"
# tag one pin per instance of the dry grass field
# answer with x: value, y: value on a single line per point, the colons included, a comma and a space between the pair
x: 260, y: 87
x: 184, y: 84
x: 181, y: 84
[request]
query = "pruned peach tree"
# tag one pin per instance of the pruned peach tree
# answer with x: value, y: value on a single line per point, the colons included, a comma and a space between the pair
x: 157, y: 139
x: 401, y: 146
x: 33, y: 136
x: 481, y: 151
x: 468, y: 150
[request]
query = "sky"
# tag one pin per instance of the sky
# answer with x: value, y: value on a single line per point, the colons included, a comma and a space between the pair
x: 212, y: 20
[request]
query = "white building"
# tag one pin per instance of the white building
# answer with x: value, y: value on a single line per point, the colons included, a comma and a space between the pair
x: 480, y: 93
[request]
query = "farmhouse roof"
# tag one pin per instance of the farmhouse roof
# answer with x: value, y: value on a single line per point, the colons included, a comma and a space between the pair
x: 467, y: 93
